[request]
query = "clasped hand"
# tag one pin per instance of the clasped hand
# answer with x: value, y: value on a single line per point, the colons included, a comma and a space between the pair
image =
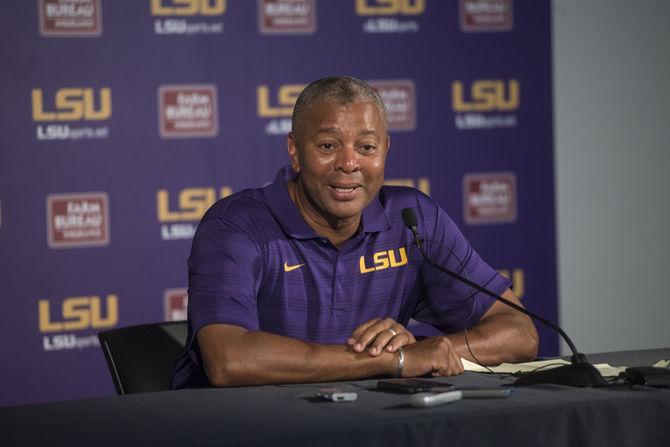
x: 434, y: 355
x: 378, y: 335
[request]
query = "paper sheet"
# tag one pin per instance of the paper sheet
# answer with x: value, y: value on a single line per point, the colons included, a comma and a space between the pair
x: 513, y: 368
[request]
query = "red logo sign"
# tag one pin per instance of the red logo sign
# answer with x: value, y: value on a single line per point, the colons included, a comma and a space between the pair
x: 286, y: 16
x: 70, y: 18
x: 188, y: 111
x: 489, y: 198
x: 175, y: 302
x: 399, y: 96
x: 487, y: 15
x: 77, y: 220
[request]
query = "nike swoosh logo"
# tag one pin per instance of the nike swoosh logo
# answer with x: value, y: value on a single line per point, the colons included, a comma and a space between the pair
x: 289, y: 268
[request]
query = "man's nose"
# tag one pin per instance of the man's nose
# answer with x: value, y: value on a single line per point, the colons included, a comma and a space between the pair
x: 347, y: 159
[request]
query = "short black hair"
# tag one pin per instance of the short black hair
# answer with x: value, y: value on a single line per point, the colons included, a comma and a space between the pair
x: 337, y: 89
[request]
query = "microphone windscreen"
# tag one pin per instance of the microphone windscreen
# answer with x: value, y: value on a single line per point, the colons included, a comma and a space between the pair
x: 408, y: 217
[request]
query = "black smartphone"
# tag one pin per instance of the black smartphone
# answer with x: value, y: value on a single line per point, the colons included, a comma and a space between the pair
x: 414, y: 385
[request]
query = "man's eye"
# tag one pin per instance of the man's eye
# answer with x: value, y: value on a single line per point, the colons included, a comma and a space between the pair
x: 367, y: 148
x: 327, y: 146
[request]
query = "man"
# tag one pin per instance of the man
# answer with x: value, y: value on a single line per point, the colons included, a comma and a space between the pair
x: 314, y: 277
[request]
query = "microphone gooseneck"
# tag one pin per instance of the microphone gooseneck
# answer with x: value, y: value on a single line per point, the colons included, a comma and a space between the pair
x: 579, y: 373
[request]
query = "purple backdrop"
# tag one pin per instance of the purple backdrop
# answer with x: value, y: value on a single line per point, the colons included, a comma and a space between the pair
x: 123, y: 120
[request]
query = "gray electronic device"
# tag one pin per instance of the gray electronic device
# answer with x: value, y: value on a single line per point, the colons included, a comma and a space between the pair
x: 427, y: 400
x: 486, y: 392
x: 335, y: 395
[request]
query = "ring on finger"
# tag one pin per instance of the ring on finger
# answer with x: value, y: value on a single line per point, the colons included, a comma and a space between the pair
x: 392, y: 331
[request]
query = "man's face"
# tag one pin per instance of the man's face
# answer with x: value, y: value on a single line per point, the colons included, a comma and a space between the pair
x: 339, y: 151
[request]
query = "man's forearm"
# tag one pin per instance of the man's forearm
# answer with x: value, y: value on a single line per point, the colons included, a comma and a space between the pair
x: 497, y: 339
x: 255, y: 358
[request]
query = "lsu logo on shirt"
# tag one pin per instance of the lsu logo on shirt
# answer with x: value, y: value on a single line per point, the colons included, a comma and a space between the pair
x: 73, y: 104
x: 390, y: 7
x: 382, y: 260
x: 486, y: 95
x: 186, y: 8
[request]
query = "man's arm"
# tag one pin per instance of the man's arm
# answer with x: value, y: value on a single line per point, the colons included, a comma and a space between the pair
x: 502, y: 335
x: 233, y: 356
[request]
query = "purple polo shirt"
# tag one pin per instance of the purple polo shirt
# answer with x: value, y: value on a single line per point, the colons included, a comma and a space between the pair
x: 255, y: 263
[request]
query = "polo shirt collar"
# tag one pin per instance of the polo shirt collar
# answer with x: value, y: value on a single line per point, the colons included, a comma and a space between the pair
x: 287, y: 214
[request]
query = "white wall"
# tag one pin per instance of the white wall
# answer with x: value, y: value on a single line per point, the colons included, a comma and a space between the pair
x: 612, y: 143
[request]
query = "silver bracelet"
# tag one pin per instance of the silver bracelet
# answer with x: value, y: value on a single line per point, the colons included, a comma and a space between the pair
x: 401, y: 362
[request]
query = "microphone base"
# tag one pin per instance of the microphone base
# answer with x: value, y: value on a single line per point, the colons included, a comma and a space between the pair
x: 577, y: 374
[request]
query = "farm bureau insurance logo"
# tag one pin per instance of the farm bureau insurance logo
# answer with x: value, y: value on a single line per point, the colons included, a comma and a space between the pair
x: 389, y: 16
x: 70, y: 18
x: 487, y: 15
x: 73, y: 324
x: 287, y: 16
x: 71, y: 105
x: 485, y: 103
x: 78, y: 220
x: 187, y: 111
x: 175, y: 304
x: 188, y: 17
x: 489, y: 198
x: 180, y: 220
x: 399, y: 96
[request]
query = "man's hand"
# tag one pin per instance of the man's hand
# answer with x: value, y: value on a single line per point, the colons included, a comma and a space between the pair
x: 378, y: 335
x: 435, y: 355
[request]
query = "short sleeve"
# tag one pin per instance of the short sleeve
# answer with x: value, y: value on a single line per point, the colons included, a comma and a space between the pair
x: 224, y: 277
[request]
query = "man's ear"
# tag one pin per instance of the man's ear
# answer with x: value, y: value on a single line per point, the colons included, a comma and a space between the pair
x: 292, y: 146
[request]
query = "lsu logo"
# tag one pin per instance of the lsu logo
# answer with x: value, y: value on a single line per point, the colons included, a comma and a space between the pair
x: 390, y: 7
x: 79, y: 313
x: 184, y: 8
x: 285, y: 100
x: 74, y: 104
x: 486, y: 95
x: 383, y: 260
x: 193, y: 202
x: 518, y: 281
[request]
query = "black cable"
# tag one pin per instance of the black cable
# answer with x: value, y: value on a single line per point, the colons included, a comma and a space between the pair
x: 472, y: 310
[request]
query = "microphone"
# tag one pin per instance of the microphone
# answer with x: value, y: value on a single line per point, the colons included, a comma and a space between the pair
x: 579, y: 373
